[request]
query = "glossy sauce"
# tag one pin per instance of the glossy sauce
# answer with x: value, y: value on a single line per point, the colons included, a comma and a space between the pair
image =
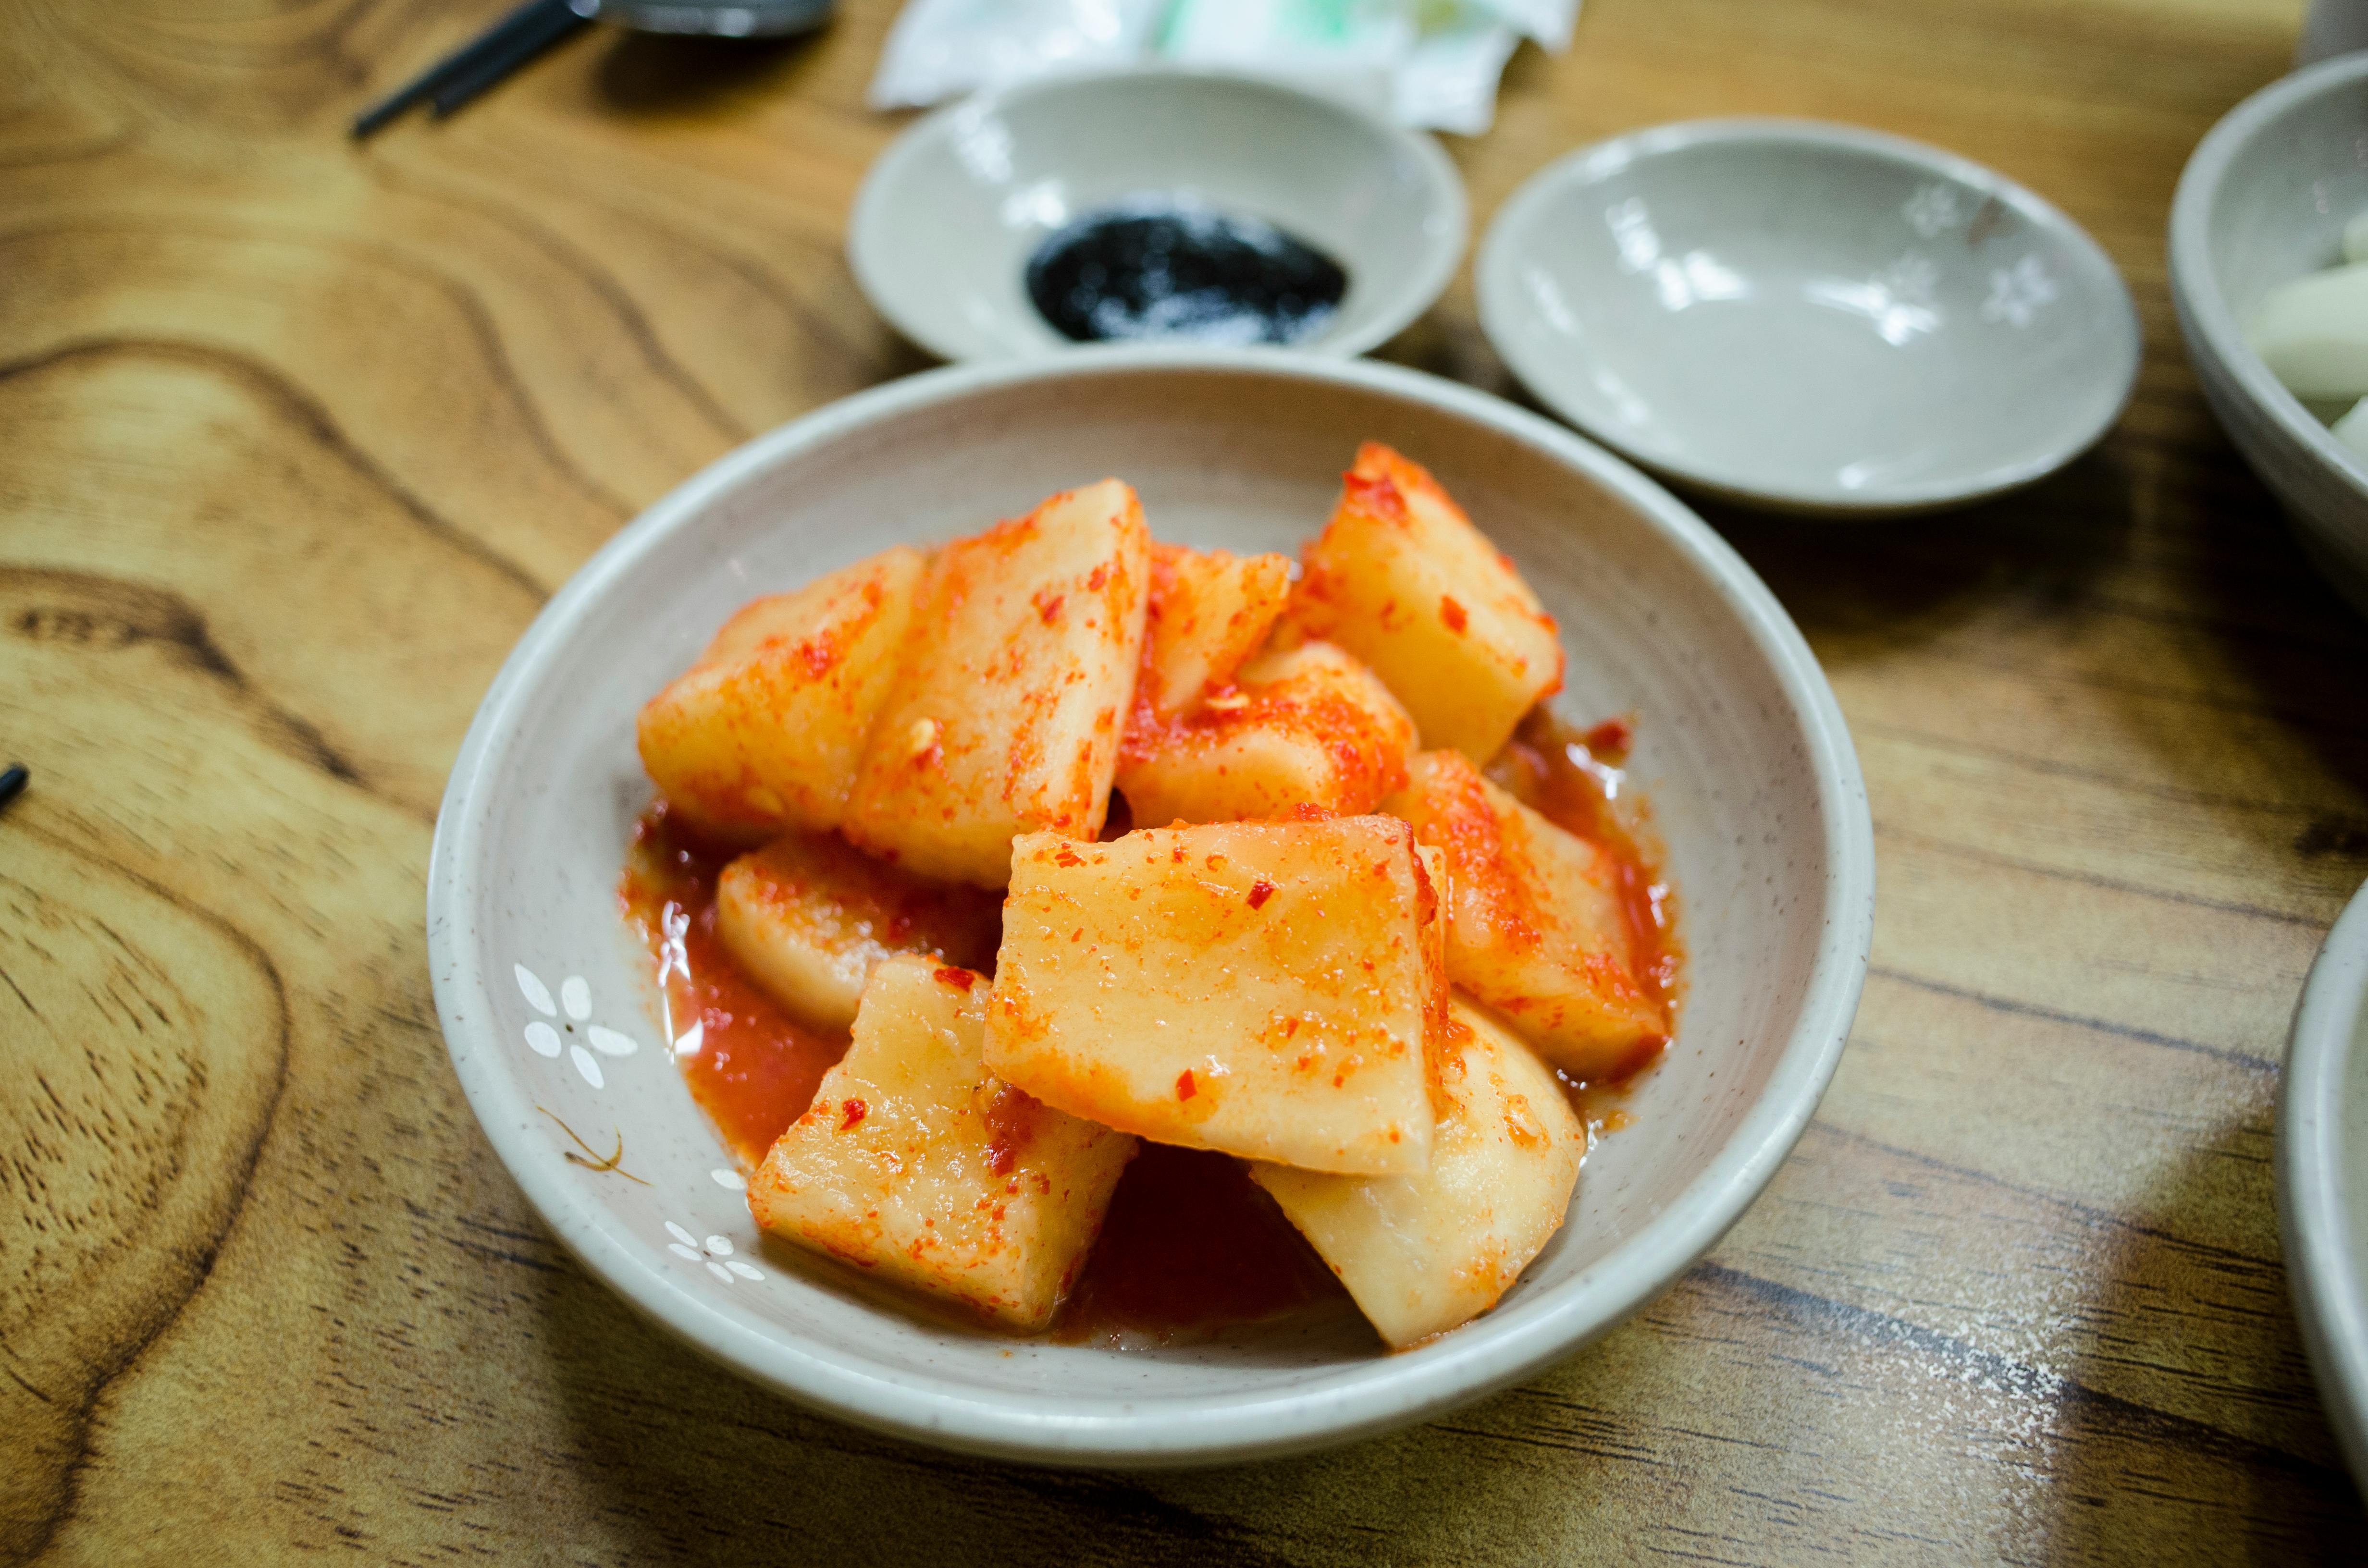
x: 752, y: 1068
x: 1191, y: 1246
x: 1152, y: 266
x: 1576, y: 779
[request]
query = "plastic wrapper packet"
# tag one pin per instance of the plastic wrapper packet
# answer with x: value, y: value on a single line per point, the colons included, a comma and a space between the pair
x: 1434, y: 63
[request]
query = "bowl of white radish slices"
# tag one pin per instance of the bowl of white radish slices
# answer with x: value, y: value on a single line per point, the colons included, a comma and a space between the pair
x: 2268, y: 269
x: 1152, y: 907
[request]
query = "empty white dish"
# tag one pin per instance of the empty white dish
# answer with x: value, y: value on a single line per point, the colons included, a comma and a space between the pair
x: 950, y: 216
x: 2264, y: 200
x: 2323, y: 1177
x: 1806, y: 316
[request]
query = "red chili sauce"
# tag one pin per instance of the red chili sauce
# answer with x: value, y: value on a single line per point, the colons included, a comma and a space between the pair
x: 1190, y: 1244
x: 751, y: 1069
x: 1578, y: 780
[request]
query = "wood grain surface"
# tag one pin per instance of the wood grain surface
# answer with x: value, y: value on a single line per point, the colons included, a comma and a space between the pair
x: 294, y: 439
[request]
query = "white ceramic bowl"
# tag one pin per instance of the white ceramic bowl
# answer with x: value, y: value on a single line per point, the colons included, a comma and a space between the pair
x: 1750, y: 770
x: 950, y: 215
x: 2264, y: 200
x: 2323, y: 1177
x: 1810, y: 317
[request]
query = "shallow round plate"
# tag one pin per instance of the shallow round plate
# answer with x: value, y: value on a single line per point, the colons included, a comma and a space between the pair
x: 2323, y: 1177
x: 949, y: 217
x: 1751, y: 771
x: 2263, y: 201
x: 1808, y: 316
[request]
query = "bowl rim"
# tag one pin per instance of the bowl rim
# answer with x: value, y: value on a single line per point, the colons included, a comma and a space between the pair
x: 1492, y: 280
x: 2327, y: 1276
x: 1388, y: 1392
x: 2195, y: 283
x: 867, y: 241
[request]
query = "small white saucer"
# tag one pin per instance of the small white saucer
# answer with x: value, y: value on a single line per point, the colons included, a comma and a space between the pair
x: 948, y: 219
x: 1811, y: 317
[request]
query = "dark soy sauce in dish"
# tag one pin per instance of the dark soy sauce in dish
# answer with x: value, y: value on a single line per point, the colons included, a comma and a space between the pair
x: 1153, y: 267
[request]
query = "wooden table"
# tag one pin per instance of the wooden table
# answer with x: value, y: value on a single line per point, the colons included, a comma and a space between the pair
x: 294, y: 439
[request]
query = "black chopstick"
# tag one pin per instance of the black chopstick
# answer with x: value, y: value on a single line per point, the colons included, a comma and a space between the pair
x: 556, y: 20
x: 424, y: 85
x: 12, y: 782
x: 478, y: 65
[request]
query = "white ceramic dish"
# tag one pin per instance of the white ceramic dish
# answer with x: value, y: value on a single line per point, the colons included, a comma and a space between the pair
x: 1810, y: 317
x: 950, y: 215
x: 2323, y: 1177
x: 2264, y: 201
x: 1755, y: 787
